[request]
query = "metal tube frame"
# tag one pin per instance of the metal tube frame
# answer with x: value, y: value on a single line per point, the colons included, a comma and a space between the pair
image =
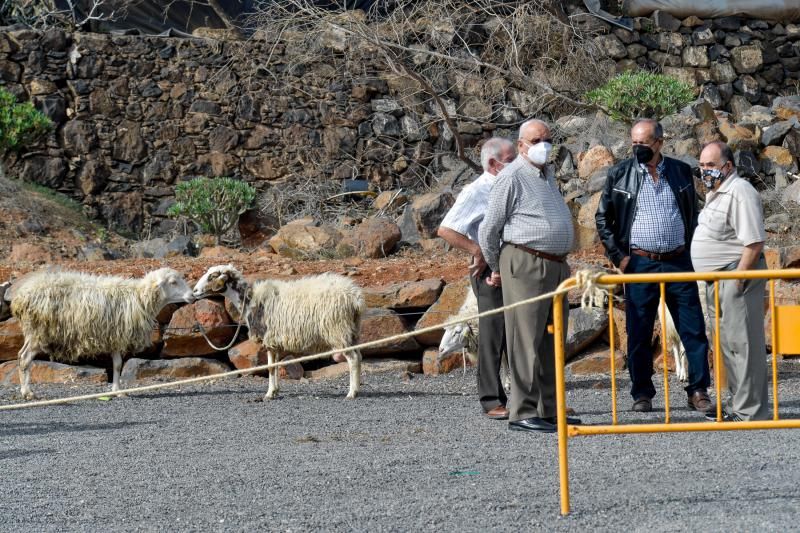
x: 565, y: 432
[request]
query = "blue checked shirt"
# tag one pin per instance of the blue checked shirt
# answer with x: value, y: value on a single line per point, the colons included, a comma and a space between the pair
x: 657, y: 226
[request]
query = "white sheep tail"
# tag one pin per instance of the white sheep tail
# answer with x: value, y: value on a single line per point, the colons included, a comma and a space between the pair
x: 235, y: 335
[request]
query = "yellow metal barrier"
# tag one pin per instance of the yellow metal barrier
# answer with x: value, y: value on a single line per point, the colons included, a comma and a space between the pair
x: 785, y: 340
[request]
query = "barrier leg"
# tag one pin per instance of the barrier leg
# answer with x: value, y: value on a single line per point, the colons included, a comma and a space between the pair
x: 774, y: 343
x: 613, y: 356
x: 664, y: 356
x: 561, y: 401
x: 717, y: 353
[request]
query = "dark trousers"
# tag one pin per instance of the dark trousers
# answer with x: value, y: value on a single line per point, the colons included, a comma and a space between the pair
x: 491, y: 342
x: 641, y: 306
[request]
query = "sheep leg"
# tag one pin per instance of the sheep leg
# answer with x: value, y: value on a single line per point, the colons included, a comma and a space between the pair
x: 272, y: 392
x: 26, y: 355
x: 117, y: 359
x: 354, y: 361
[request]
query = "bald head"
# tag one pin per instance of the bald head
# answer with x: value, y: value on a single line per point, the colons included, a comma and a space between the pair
x: 531, y: 133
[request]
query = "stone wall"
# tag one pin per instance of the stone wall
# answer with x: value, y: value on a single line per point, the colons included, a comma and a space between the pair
x: 135, y: 114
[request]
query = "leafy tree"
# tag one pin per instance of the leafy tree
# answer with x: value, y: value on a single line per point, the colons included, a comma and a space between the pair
x: 641, y: 95
x: 213, y: 204
x: 21, y: 125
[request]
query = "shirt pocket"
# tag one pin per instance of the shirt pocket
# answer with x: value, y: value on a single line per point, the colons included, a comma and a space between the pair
x: 716, y: 221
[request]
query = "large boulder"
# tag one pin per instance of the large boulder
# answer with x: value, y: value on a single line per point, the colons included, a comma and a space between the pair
x: 52, y: 372
x: 373, y: 238
x: 138, y: 370
x: 747, y: 59
x: 597, y: 360
x: 249, y: 354
x: 434, y: 363
x: 444, y: 310
x: 23, y: 252
x: 786, y: 107
x: 428, y: 210
x: 11, y: 339
x: 299, y: 241
x: 404, y: 295
x: 593, y: 160
x: 587, y: 229
x: 585, y: 326
x: 182, y: 337
x: 381, y: 323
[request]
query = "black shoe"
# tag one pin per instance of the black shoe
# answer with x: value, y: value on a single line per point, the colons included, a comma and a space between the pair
x: 533, y: 423
x: 711, y: 416
x: 642, y: 405
x: 571, y: 420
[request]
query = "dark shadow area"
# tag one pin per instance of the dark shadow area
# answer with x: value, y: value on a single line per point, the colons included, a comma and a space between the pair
x: 17, y: 429
x: 16, y: 454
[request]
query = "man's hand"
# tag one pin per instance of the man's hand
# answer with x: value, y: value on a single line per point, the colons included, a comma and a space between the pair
x: 478, y: 265
x: 494, y: 280
x: 623, y: 265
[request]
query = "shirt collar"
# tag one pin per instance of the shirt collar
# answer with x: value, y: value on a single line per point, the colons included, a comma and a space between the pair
x: 726, y: 185
x: 659, y: 167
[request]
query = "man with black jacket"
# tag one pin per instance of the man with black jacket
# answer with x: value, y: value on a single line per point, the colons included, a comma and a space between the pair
x: 646, y: 218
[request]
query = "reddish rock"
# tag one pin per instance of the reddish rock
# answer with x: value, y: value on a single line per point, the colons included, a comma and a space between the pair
x: 165, y: 315
x: 254, y: 229
x: 137, y: 370
x: 221, y: 252
x: 405, y: 295
x: 182, y: 337
x: 301, y: 241
x: 11, y: 339
x: 389, y: 200
x: 773, y: 258
x: 51, y: 372
x: 739, y: 136
x: 586, y: 233
x: 778, y: 156
x: 248, y: 354
x: 373, y: 238
x: 428, y: 210
x: 620, y: 332
x: 597, y: 361
x: 433, y: 364
x: 371, y: 366
x: 380, y: 323
x: 593, y: 160
x: 790, y: 257
x: 445, y: 308
x: 29, y: 253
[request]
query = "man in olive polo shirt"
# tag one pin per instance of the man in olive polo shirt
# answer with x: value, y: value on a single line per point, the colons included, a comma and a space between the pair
x: 730, y: 236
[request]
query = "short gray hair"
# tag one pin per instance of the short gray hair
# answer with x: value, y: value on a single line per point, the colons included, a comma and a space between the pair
x: 529, y: 122
x: 493, y: 149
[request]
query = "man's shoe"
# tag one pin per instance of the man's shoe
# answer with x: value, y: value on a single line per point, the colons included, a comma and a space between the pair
x: 533, y: 423
x: 498, y: 413
x: 571, y: 420
x: 642, y: 405
x: 699, y: 401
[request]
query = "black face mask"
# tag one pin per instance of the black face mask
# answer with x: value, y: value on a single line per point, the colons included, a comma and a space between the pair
x: 643, y: 153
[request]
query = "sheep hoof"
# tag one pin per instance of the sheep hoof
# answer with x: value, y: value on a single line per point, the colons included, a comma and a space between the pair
x: 28, y: 395
x: 351, y: 396
x: 270, y: 395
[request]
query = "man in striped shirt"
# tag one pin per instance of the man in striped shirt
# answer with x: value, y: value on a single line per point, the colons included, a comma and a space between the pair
x: 525, y: 237
x: 460, y: 229
x: 646, y: 219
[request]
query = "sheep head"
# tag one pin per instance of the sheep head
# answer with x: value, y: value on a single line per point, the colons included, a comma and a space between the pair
x: 173, y: 287
x: 219, y: 280
x: 454, y: 338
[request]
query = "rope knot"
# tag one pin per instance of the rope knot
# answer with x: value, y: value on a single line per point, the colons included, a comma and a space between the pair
x: 593, y: 291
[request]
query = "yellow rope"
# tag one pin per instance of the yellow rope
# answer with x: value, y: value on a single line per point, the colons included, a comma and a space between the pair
x: 587, y: 279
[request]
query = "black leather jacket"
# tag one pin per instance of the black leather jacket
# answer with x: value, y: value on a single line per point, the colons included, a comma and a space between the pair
x: 617, y: 207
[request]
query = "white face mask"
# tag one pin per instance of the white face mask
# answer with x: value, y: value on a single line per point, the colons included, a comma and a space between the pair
x: 539, y: 153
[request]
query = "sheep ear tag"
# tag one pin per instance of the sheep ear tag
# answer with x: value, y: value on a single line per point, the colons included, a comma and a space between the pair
x: 219, y: 284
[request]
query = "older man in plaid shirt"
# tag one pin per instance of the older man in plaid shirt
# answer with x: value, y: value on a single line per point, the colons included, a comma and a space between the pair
x: 646, y: 219
x: 525, y: 237
x: 460, y: 229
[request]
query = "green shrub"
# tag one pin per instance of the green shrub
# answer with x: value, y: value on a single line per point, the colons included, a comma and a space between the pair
x: 641, y: 95
x: 213, y: 204
x: 20, y: 124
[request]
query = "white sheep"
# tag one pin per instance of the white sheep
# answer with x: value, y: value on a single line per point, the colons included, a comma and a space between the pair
x: 71, y: 315
x: 464, y: 336
x: 675, y: 345
x: 312, y: 314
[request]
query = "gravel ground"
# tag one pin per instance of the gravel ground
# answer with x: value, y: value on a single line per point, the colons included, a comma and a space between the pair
x: 409, y: 454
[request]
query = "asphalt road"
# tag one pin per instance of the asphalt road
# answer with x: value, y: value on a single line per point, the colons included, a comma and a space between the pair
x: 408, y: 455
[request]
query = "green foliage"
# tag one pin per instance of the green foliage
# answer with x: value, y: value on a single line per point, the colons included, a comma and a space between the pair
x: 20, y: 124
x: 641, y: 95
x: 213, y: 204
x: 54, y: 196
